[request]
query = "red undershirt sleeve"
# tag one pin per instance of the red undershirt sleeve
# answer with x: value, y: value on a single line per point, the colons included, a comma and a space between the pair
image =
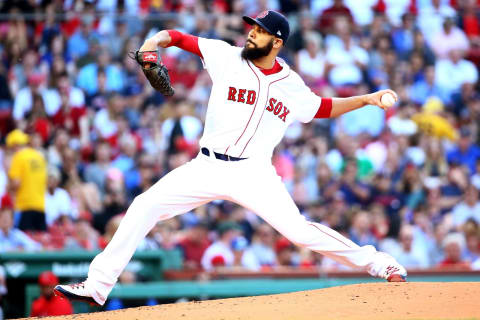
x: 325, y: 109
x: 184, y: 41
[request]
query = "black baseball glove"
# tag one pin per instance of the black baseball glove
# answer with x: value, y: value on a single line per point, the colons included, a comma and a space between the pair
x: 156, y: 73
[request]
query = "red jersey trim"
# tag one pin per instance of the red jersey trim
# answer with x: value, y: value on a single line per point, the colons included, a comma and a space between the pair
x: 325, y: 109
x: 275, y: 69
x: 184, y: 41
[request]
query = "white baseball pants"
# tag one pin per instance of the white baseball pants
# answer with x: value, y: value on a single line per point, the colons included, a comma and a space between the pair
x: 251, y: 183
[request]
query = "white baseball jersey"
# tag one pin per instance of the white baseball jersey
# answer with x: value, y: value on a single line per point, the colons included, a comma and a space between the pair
x: 248, y: 111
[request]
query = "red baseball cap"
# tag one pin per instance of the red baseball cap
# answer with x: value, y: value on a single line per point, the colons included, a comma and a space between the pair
x: 47, y: 278
x: 218, y: 261
x: 282, y: 244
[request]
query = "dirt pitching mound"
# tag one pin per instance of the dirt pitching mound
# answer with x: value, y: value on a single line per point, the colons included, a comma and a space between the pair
x: 411, y: 300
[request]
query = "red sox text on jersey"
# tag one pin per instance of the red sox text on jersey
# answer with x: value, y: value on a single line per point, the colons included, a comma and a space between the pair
x: 274, y: 106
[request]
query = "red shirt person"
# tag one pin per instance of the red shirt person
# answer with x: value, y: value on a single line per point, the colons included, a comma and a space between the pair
x: 194, y: 246
x: 71, y: 113
x: 49, y: 304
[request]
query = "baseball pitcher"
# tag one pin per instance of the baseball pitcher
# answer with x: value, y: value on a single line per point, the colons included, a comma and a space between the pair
x: 255, y: 97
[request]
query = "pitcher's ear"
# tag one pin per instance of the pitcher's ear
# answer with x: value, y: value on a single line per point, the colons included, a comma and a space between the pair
x: 278, y: 43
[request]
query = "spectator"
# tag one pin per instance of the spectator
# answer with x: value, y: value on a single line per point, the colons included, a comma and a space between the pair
x: 469, y: 208
x: 369, y: 121
x: 242, y: 257
x: 13, y: 239
x: 452, y: 73
x: 116, y: 41
x: 453, y: 188
x: 71, y: 113
x: 85, y: 196
x: 384, y: 194
x: 306, y: 25
x: 350, y: 187
x: 401, y: 123
x: 331, y: 14
x: 194, y: 245
x: 105, y: 121
x: 422, y: 48
x: 125, y: 160
x: 110, y: 228
x: 155, y: 239
x: 36, y: 120
x: 403, y: 37
x: 114, y: 201
x: 23, y: 66
x: 263, y: 246
x: 426, y: 88
x: 88, y: 75
x: 412, y: 257
x: 345, y: 60
x: 454, y: 245
x: 142, y: 177
x: 78, y: 43
x: 472, y: 239
x: 432, y: 16
x: 310, y: 62
x: 49, y: 304
x: 99, y: 99
x: 411, y: 187
x: 96, y: 171
x: 219, y: 253
x: 28, y: 181
x: 433, y: 122
x: 84, y: 237
x: 469, y: 20
x: 436, y: 252
x: 346, y: 149
x: 60, y: 140
x: 360, y: 231
x: 57, y: 202
x: 450, y: 38
x: 435, y: 163
x: 286, y: 254
x: 181, y: 131
x: 24, y: 99
x: 466, y: 153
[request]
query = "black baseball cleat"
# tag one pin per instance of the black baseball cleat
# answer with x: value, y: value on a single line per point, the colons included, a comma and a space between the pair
x: 76, y: 292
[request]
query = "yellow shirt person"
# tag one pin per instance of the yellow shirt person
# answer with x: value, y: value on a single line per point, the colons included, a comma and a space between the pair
x: 432, y: 123
x: 28, y: 178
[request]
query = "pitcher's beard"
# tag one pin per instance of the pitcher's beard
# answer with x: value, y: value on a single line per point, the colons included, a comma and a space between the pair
x: 255, y: 52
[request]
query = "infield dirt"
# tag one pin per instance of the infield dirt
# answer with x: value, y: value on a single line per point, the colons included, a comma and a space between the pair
x: 411, y: 300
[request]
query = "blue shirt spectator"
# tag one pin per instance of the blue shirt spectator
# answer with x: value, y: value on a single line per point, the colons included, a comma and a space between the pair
x: 403, y: 37
x: 371, y: 119
x: 13, y: 239
x: 87, y: 78
x: 426, y: 88
x: 465, y: 153
x: 77, y: 45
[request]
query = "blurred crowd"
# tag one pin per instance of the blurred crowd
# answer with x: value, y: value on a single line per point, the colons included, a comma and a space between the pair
x: 83, y: 133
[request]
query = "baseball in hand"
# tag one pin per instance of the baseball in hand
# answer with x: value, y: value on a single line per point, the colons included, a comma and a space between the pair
x: 387, y: 100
